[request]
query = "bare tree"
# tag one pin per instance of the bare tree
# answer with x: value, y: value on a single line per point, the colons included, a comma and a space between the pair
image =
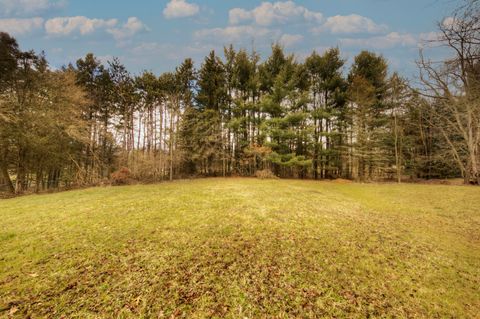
x: 453, y: 85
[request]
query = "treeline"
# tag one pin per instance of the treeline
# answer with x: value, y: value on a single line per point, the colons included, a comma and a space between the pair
x: 238, y: 115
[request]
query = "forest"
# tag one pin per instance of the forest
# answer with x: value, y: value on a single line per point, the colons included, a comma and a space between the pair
x: 240, y: 114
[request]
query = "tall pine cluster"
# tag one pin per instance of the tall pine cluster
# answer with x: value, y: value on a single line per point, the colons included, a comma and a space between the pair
x: 241, y: 115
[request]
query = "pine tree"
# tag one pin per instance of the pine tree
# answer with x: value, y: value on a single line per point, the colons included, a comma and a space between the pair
x: 212, y: 101
x: 328, y: 93
x: 368, y: 85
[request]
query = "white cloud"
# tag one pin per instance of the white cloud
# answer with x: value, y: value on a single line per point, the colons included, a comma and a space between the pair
x: 28, y: 7
x: 289, y: 40
x: 393, y: 39
x: 63, y: 26
x: 430, y: 36
x: 236, y: 33
x: 448, y: 22
x: 180, y: 9
x: 237, y: 15
x: 269, y: 13
x: 128, y: 29
x: 19, y: 27
x: 353, y: 23
x: 104, y: 59
x: 430, y: 39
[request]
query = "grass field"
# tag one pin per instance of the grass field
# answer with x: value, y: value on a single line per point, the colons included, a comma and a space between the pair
x: 242, y: 248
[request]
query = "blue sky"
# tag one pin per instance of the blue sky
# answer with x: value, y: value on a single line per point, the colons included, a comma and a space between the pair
x: 157, y: 35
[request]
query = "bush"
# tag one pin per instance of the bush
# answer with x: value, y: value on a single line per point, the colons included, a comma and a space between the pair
x: 265, y: 174
x: 121, y: 177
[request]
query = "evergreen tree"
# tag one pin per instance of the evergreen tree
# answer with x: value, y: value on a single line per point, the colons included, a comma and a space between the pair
x: 212, y: 101
x: 328, y: 95
x: 368, y: 86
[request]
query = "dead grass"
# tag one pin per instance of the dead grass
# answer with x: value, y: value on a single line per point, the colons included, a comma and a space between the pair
x: 241, y: 248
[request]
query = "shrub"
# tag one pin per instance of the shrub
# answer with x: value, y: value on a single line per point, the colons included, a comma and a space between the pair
x: 265, y: 174
x: 121, y: 177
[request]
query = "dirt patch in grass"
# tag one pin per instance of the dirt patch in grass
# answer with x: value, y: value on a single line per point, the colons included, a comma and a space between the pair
x: 342, y: 181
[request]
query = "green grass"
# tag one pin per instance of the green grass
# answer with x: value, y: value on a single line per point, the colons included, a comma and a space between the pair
x: 242, y: 248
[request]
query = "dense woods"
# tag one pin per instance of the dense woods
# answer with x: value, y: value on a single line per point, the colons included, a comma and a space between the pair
x: 240, y: 115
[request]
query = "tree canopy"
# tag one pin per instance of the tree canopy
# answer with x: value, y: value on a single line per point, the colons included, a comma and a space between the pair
x: 237, y: 115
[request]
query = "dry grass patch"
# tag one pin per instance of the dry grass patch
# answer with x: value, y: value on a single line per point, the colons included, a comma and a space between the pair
x: 242, y: 248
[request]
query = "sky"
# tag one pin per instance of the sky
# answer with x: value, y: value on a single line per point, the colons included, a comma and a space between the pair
x: 157, y: 35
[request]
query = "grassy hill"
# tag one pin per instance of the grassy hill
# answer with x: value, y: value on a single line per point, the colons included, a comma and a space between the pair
x: 242, y: 248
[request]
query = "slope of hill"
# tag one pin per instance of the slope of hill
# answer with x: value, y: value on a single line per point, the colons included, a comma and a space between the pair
x: 242, y: 248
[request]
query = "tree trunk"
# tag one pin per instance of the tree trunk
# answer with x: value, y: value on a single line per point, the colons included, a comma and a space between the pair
x: 6, y: 178
x: 397, y: 152
x: 171, y: 142
x: 21, y: 171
